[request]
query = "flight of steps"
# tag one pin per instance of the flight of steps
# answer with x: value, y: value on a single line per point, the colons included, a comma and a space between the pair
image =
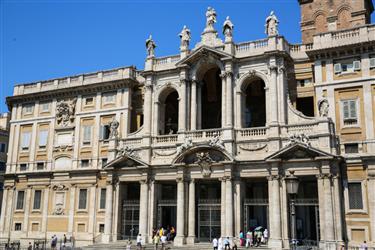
x: 122, y: 245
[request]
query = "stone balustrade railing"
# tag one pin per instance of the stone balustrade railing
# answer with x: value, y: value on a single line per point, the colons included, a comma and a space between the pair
x: 203, y: 134
x: 78, y: 80
x: 167, y: 62
x: 251, y: 132
x: 307, y: 128
x: 344, y: 37
x: 165, y: 139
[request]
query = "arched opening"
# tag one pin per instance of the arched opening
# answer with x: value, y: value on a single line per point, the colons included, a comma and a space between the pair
x: 254, y: 110
x: 211, y: 99
x: 168, y: 112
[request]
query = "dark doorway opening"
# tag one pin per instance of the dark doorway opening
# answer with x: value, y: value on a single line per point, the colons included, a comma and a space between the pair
x: 306, y: 105
x: 255, y: 104
x: 211, y: 99
x: 171, y: 114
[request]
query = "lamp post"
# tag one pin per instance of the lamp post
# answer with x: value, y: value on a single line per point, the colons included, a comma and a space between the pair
x: 292, y: 183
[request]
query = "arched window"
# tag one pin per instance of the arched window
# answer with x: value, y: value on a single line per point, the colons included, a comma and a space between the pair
x: 254, y: 103
x: 211, y: 99
x: 320, y: 23
x: 168, y: 112
x: 344, y: 18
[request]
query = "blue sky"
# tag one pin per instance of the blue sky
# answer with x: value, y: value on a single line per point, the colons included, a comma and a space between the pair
x: 47, y: 39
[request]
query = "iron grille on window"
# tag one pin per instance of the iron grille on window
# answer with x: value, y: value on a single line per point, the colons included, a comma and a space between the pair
x: 355, y: 196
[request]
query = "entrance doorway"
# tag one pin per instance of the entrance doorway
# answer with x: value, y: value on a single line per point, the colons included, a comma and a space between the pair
x: 129, y: 193
x: 256, y: 204
x: 167, y: 205
x: 209, y: 211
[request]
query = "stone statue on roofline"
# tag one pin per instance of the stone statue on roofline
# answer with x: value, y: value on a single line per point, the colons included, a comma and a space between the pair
x: 185, y: 36
x: 150, y: 46
x: 228, y: 29
x: 272, y: 25
x: 210, y: 19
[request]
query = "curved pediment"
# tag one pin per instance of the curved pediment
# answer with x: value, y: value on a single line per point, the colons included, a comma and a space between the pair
x: 193, y: 155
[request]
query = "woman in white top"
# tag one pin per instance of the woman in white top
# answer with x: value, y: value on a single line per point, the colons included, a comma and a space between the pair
x: 220, y: 244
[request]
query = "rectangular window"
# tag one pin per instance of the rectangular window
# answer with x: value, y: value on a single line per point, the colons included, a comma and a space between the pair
x: 17, y: 226
x: 349, y: 111
x: 23, y: 167
x: 28, y: 108
x: 347, y: 66
x: 81, y: 227
x: 37, y: 199
x: 102, y: 198
x: 43, y: 137
x: 2, y: 147
x: 351, y: 148
x: 89, y: 101
x: 87, y: 134
x: 372, y: 62
x: 25, y: 140
x: 40, y: 166
x: 82, y: 199
x: 85, y: 163
x: 2, y: 166
x: 355, y: 195
x: 20, y: 200
x: 35, y: 227
x: 44, y: 106
x: 104, y: 132
x: 101, y: 228
x: 104, y: 161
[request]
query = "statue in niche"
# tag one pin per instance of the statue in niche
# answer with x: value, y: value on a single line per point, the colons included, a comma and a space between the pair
x: 150, y: 45
x: 113, y: 129
x: 271, y: 25
x: 65, y: 112
x: 228, y: 28
x: 210, y: 18
x: 323, y: 106
x: 185, y: 36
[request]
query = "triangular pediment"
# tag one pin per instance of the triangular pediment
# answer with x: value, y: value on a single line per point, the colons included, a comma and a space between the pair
x: 124, y: 161
x: 202, y: 52
x: 298, y: 151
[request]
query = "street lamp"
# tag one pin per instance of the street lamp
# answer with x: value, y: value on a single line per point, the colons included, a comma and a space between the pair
x: 292, y: 183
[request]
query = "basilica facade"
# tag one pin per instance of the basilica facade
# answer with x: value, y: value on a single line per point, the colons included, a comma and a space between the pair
x: 209, y: 141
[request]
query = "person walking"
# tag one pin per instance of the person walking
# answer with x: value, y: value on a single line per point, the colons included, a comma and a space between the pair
x: 249, y: 239
x: 30, y: 247
x: 363, y: 246
x: 242, y: 239
x: 156, y: 240
x: 265, y: 236
x: 139, y: 242
x: 226, y: 244
x: 163, y: 240
x: 214, y: 243
x: 220, y: 244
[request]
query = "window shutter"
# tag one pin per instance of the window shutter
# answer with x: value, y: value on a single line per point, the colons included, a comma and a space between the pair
x: 345, y: 108
x: 357, y: 65
x: 353, y: 109
x: 337, y: 68
x: 87, y: 133
x: 372, y: 62
x: 26, y: 139
x: 43, y: 135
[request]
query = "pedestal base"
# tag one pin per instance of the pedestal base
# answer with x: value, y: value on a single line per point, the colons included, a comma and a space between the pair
x: 275, y: 244
x: 179, y: 241
x: 190, y: 240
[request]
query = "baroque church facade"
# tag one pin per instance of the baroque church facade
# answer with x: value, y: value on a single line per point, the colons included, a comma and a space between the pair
x: 208, y: 140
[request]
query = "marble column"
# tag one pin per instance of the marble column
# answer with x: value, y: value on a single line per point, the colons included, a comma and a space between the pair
x: 45, y: 209
x: 238, y: 207
x: 223, y: 99
x: 223, y: 206
x: 328, y: 209
x: 108, y: 212
x: 275, y: 241
x: 273, y: 95
x: 3, y: 209
x: 199, y: 105
x: 147, y: 106
x: 229, y: 208
x: 193, y: 118
x: 191, y: 226
x: 371, y: 203
x: 143, y: 209
x: 27, y: 211
x: 229, y: 101
x: 182, y: 107
x: 180, y: 233
x: 337, y: 208
x: 157, y: 118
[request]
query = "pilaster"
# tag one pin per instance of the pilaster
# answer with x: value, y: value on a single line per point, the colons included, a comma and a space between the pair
x: 143, y: 209
x: 191, y: 226
x: 193, y: 118
x: 108, y: 212
x: 275, y: 241
x: 180, y: 236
